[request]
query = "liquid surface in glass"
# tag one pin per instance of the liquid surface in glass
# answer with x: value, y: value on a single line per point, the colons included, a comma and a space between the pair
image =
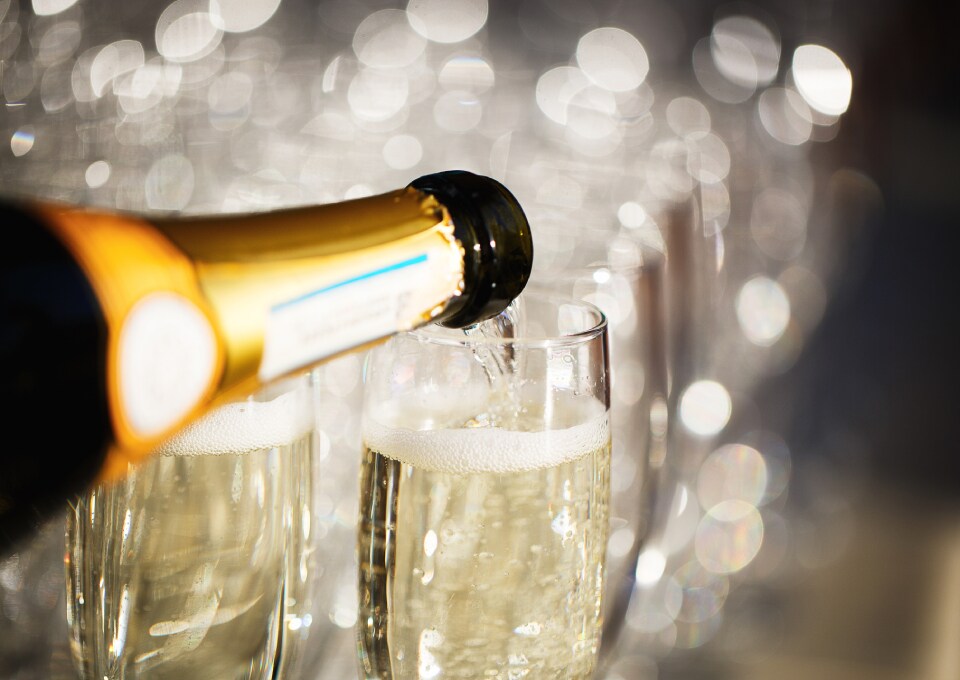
x: 181, y: 569
x: 482, y: 548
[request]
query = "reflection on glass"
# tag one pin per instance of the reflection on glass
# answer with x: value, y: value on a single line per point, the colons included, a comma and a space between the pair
x: 197, y: 563
x: 623, y: 275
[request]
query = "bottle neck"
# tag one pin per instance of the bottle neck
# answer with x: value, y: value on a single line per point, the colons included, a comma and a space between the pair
x: 306, y: 232
x: 495, y: 236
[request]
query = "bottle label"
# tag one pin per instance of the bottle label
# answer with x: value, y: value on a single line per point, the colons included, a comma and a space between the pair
x: 164, y: 357
x: 166, y: 352
x: 352, y: 312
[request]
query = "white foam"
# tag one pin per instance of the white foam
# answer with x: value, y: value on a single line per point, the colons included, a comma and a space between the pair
x: 245, y: 426
x: 493, y: 449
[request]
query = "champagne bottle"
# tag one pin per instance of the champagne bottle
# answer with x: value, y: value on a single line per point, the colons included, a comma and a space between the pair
x: 115, y: 330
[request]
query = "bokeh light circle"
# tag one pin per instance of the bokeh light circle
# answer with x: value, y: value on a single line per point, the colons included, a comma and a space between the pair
x: 169, y: 183
x: 705, y: 407
x: 704, y: 592
x: 447, y: 21
x: 729, y: 536
x: 613, y: 59
x: 402, y: 151
x: 22, y: 141
x: 186, y: 31
x: 240, y: 16
x: 732, y: 472
x: 385, y: 39
x: 822, y: 78
x: 650, y: 566
x: 763, y: 310
x: 97, y: 174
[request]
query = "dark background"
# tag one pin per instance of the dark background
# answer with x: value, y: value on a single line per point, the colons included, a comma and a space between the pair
x: 883, y: 365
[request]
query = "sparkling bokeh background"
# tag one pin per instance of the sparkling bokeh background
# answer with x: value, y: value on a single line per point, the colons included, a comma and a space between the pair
x: 604, y: 118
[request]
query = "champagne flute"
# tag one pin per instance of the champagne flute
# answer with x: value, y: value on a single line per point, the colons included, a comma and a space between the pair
x: 484, y: 498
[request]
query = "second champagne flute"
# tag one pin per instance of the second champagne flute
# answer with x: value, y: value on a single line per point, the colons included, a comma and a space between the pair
x: 484, y: 498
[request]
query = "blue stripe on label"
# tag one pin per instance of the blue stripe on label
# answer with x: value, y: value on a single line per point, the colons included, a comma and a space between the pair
x: 346, y: 282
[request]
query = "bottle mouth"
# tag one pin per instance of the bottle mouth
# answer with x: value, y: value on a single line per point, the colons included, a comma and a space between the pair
x: 495, y: 235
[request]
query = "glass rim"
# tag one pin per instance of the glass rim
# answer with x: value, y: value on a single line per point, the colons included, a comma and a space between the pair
x: 441, y: 335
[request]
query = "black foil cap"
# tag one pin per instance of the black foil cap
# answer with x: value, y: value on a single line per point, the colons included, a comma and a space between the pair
x: 490, y: 224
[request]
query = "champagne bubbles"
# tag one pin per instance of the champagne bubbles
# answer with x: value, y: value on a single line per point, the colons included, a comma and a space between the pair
x: 613, y: 59
x: 822, y: 78
x: 245, y: 426
x: 471, y: 450
x: 447, y: 21
x: 705, y: 408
